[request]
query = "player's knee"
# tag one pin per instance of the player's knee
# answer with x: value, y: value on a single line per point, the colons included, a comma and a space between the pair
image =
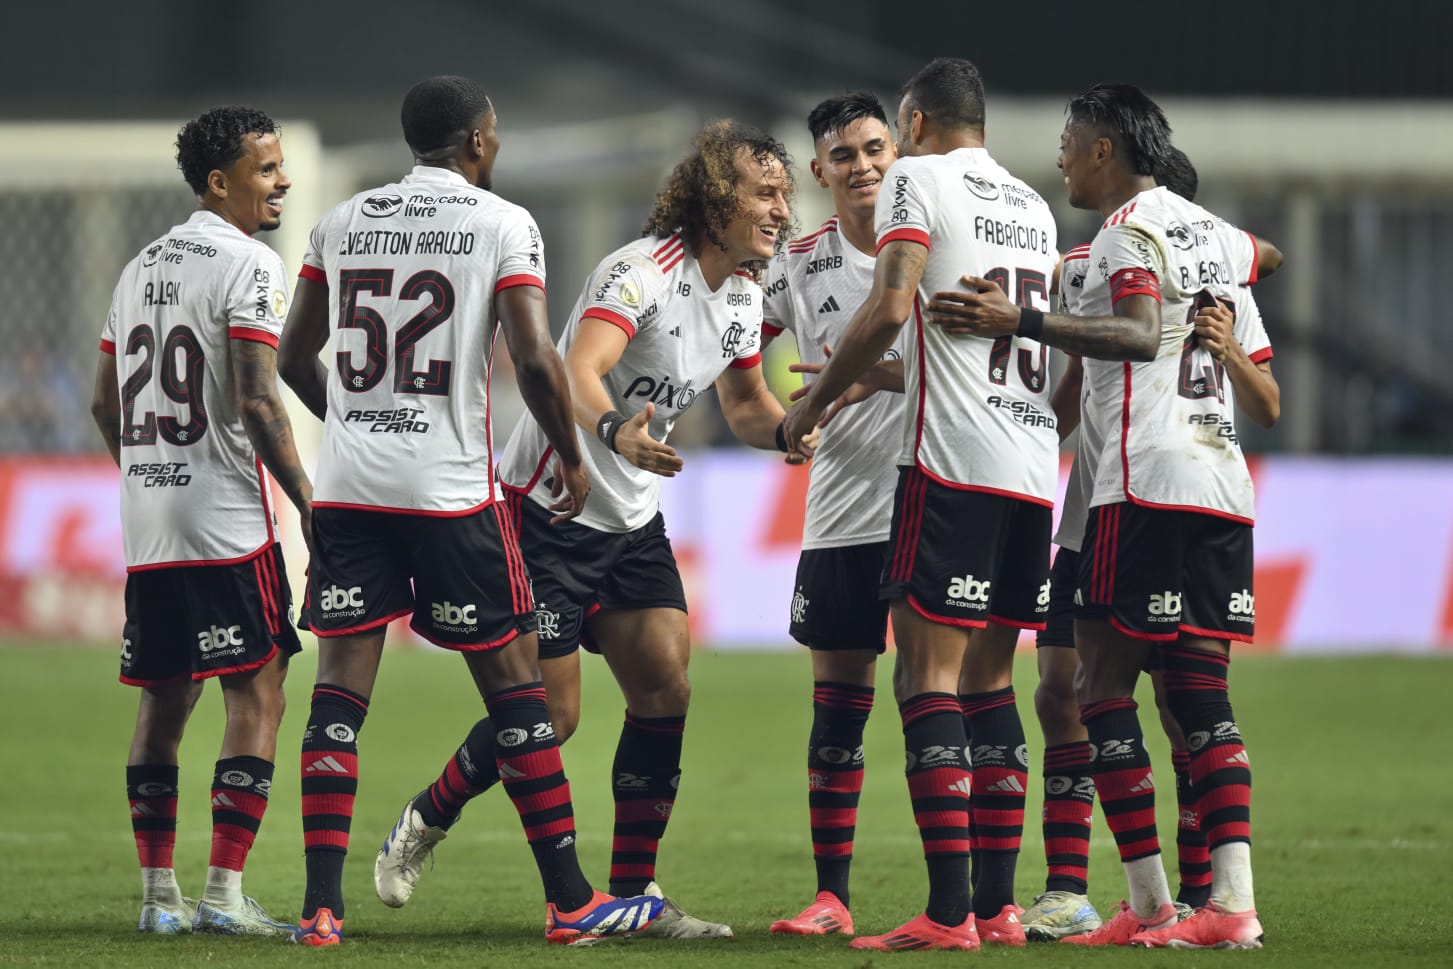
x: 565, y: 719
x: 1056, y: 705
x: 665, y: 696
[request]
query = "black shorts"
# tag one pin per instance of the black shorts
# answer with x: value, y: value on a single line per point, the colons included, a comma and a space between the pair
x: 965, y: 558
x: 579, y: 571
x: 1059, y: 626
x: 1156, y: 573
x: 190, y: 622
x: 835, y: 603
x: 470, y: 590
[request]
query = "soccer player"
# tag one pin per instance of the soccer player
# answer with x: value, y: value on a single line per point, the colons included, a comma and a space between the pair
x: 1171, y: 488
x: 411, y: 277
x: 813, y: 289
x: 1064, y: 909
x: 187, y: 401
x: 968, y: 564
x: 658, y: 322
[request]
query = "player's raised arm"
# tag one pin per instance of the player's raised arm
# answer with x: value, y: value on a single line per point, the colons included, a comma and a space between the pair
x: 302, y: 340
x: 896, y: 275
x: 544, y: 386
x: 1258, y: 395
x: 1268, y: 257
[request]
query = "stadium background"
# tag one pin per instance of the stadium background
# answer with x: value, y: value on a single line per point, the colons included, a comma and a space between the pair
x: 1325, y: 126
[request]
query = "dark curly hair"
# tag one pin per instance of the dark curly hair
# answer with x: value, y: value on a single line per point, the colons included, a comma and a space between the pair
x: 700, y: 198
x: 437, y: 111
x: 215, y: 140
x: 1135, y: 124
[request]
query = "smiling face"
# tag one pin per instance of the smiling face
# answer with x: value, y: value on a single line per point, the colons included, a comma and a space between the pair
x: 249, y: 192
x: 762, y: 209
x: 850, y: 164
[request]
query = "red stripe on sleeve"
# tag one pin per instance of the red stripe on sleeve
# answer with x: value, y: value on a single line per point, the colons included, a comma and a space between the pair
x: 1262, y: 355
x: 1133, y: 281
x: 519, y: 279
x: 248, y: 333
x: 747, y: 363
x: 905, y: 235
x: 108, y: 347
x: 771, y: 329
x: 313, y: 274
x: 1255, y: 260
x: 611, y: 316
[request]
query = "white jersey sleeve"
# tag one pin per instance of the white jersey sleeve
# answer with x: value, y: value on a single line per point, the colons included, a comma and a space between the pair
x: 627, y: 293
x: 777, y: 308
x: 256, y: 297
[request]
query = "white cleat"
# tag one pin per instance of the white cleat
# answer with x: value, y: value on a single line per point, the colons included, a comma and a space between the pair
x: 673, y: 923
x: 167, y: 917
x: 400, y: 861
x: 245, y: 918
x: 1059, y: 915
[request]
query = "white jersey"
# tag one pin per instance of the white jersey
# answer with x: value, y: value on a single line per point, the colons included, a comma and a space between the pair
x: 978, y: 414
x: 682, y: 336
x: 1166, y: 425
x: 193, y: 491
x: 413, y: 269
x: 1075, y: 510
x: 813, y: 289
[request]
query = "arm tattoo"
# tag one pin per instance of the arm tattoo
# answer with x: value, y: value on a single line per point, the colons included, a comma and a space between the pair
x: 264, y: 417
x: 905, y: 264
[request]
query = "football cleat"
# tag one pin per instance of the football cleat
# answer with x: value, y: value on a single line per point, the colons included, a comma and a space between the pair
x: 673, y: 923
x: 1124, y: 924
x: 825, y: 916
x: 167, y: 918
x: 321, y: 929
x: 922, y: 933
x: 400, y: 861
x: 1209, y: 928
x: 1056, y: 915
x: 245, y: 918
x: 1003, y: 929
x: 1183, y: 911
x: 603, y: 917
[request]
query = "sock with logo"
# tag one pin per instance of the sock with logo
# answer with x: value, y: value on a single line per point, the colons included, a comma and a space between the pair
x: 645, y: 775
x: 996, y: 808
x: 330, y: 782
x: 151, y: 790
x: 240, y: 786
x: 1196, y: 691
x: 1127, y: 795
x: 527, y: 757
x: 835, y: 778
x: 939, y: 781
x: 1069, y: 810
x: 1192, y: 853
x: 469, y: 773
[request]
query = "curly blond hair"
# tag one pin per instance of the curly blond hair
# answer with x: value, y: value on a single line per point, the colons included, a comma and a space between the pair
x: 700, y: 198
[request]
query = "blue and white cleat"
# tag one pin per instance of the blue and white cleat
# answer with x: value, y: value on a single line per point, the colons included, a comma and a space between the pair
x: 603, y: 917
x: 400, y: 861
x: 245, y: 918
x: 167, y: 918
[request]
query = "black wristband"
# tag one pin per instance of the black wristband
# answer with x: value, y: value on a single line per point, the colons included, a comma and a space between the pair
x: 1031, y: 323
x: 782, y: 436
x: 608, y: 427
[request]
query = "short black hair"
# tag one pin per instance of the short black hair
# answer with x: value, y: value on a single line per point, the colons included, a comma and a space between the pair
x: 216, y: 140
x: 1130, y: 119
x: 1178, y: 174
x: 439, y: 110
x: 949, y: 92
x: 836, y: 113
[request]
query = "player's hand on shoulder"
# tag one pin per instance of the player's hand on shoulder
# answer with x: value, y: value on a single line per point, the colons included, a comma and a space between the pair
x: 635, y: 443
x: 570, y: 486
x: 981, y: 309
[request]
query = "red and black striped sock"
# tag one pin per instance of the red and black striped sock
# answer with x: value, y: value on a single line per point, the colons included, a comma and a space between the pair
x: 469, y: 773
x: 1069, y: 810
x: 939, y: 782
x: 1192, y: 854
x: 1123, y: 776
x: 527, y: 757
x: 1196, y: 690
x: 240, y: 786
x: 330, y: 782
x: 996, y: 809
x: 835, y: 778
x: 151, y: 790
x: 644, y: 778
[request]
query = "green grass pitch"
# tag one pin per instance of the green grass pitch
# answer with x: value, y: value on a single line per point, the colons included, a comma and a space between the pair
x: 1353, y: 820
